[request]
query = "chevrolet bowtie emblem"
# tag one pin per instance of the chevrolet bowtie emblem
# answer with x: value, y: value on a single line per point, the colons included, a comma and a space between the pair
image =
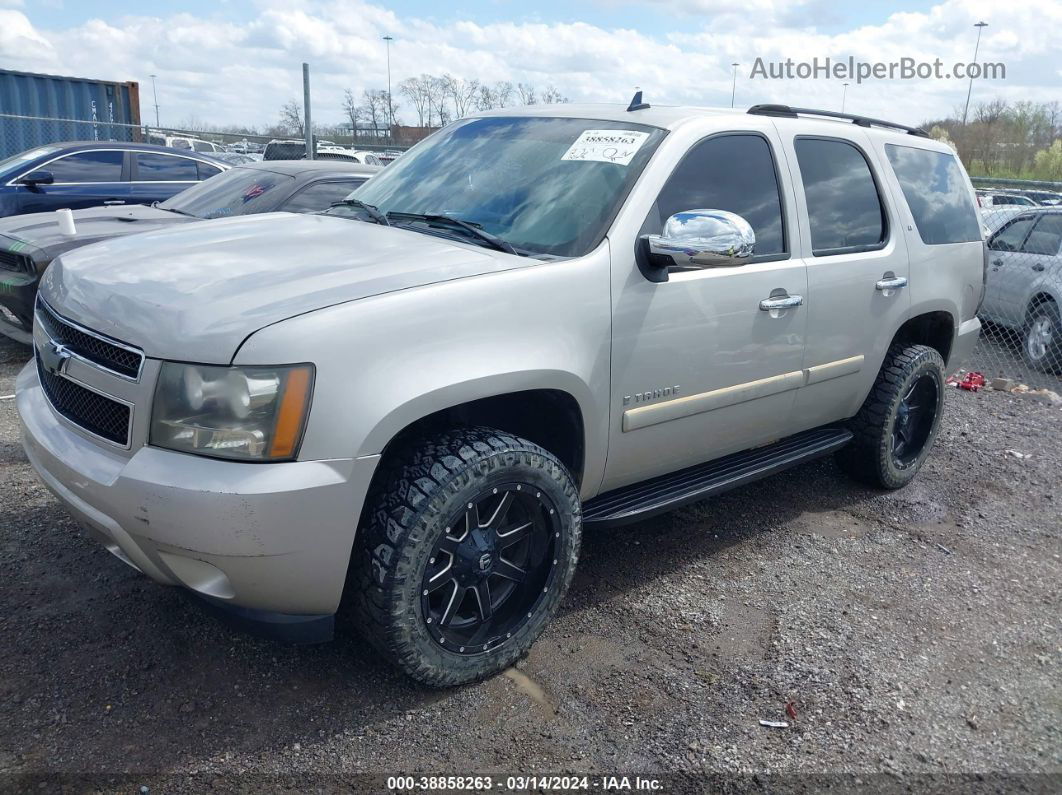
x: 54, y: 357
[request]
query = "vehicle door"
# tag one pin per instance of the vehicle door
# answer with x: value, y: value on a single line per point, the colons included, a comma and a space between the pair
x: 1005, y: 270
x: 319, y: 196
x: 157, y: 176
x: 1036, y: 269
x: 857, y: 267
x: 89, y: 178
x: 699, y: 368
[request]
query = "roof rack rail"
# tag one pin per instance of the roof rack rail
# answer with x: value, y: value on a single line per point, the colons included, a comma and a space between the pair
x: 862, y: 121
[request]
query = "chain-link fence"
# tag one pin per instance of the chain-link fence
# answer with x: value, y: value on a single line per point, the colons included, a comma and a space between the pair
x: 1021, y: 341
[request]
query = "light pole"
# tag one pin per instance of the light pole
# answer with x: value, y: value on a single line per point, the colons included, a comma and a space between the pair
x: 155, y: 96
x: 390, y: 110
x: 844, y: 93
x: 733, y: 85
x: 969, y: 89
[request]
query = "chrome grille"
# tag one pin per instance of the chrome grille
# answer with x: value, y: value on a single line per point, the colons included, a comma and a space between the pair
x: 109, y: 354
x: 92, y: 411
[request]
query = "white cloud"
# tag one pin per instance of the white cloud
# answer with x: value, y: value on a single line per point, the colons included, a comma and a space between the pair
x: 224, y: 72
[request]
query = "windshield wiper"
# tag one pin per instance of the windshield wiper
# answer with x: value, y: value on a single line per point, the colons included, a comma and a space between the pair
x: 492, y: 241
x: 158, y: 206
x: 368, y: 209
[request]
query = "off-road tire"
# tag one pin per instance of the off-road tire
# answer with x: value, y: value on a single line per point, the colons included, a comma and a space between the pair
x: 1051, y: 361
x: 869, y: 458
x: 425, y: 483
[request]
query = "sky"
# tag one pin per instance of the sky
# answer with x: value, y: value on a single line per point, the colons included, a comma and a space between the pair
x: 237, y: 62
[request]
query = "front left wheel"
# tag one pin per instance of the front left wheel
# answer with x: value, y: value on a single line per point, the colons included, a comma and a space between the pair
x: 468, y: 548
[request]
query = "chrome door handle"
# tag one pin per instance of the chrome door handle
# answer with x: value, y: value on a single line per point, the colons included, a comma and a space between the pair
x: 109, y: 202
x: 895, y: 283
x: 781, y: 302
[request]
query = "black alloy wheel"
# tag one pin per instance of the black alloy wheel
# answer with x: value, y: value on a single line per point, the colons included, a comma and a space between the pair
x: 490, y: 569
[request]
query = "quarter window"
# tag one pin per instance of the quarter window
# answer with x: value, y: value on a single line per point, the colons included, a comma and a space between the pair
x: 155, y: 167
x: 844, y: 208
x: 937, y: 194
x: 728, y: 172
x: 206, y: 170
x: 92, y: 166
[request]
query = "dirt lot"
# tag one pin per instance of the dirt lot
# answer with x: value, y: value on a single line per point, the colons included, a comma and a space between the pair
x: 916, y: 632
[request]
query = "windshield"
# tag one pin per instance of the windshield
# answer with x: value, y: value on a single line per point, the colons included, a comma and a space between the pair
x: 544, y: 185
x: 15, y: 163
x: 238, y: 191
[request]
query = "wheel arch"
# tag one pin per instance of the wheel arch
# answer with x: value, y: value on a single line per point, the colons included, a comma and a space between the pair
x: 546, y: 411
x: 1038, y: 299
x: 935, y: 328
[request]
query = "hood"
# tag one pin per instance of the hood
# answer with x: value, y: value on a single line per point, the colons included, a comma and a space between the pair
x: 195, y: 292
x: 41, y: 230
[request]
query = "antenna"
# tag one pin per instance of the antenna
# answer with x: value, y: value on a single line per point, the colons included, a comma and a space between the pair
x: 636, y: 102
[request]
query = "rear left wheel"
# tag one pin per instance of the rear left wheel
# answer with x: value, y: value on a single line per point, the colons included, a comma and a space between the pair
x: 469, y: 548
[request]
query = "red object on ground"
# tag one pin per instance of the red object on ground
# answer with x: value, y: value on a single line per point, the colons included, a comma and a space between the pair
x: 972, y: 382
x: 790, y: 709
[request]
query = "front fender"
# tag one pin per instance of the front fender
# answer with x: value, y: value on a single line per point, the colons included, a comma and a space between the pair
x: 387, y: 361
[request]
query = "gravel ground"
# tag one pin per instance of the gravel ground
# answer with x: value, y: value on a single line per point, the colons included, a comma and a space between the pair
x: 916, y: 633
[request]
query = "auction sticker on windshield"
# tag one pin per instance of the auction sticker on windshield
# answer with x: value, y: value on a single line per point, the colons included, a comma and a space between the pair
x: 606, y: 146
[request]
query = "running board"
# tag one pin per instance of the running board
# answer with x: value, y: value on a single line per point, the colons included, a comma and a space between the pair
x: 667, y: 492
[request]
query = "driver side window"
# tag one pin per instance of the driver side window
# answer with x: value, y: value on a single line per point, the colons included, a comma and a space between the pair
x: 727, y: 172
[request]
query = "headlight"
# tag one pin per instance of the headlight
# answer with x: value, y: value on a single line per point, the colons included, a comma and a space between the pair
x: 245, y: 413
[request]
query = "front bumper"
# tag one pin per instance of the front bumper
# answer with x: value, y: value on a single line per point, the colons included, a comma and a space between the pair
x: 268, y: 537
x: 965, y: 339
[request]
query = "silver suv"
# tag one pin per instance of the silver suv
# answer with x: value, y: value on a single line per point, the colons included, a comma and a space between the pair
x: 534, y: 321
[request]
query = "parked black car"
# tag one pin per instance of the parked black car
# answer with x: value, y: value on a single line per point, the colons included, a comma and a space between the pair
x: 28, y: 243
x: 93, y: 173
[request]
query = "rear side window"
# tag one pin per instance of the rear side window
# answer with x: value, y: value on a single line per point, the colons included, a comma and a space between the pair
x: 320, y: 196
x: 937, y: 194
x: 844, y: 208
x: 1046, y: 236
x: 206, y: 170
x: 728, y: 172
x: 154, y: 167
x: 95, y: 166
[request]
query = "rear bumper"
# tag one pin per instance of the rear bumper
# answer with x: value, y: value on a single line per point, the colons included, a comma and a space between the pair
x: 965, y: 339
x: 267, y: 537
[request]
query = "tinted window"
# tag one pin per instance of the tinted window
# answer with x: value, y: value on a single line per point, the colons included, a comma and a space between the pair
x: 731, y: 172
x: 1046, y: 237
x: 1012, y: 236
x: 936, y: 192
x: 99, y: 166
x: 320, y: 196
x: 203, y: 146
x: 165, y: 168
x: 239, y: 191
x: 844, y: 209
x: 206, y: 170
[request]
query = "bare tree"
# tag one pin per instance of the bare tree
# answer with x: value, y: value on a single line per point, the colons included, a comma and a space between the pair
x: 437, y: 93
x: 291, y: 118
x: 526, y: 92
x: 550, y: 95
x: 353, y: 111
x: 462, y: 93
x: 375, y: 104
x: 416, y: 90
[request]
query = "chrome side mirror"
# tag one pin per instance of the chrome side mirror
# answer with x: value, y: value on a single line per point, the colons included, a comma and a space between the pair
x: 704, y: 239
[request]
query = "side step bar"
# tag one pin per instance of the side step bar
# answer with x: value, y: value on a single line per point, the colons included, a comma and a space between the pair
x: 667, y: 492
